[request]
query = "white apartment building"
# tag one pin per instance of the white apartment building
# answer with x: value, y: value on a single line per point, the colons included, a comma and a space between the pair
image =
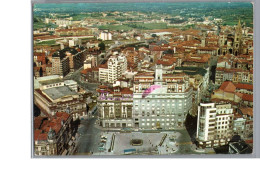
x: 105, y: 36
x: 103, y: 74
x: 206, y: 122
x: 115, y: 68
x: 117, y: 65
x: 214, y: 125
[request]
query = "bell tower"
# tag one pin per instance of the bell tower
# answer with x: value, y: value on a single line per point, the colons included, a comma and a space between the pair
x: 237, y: 39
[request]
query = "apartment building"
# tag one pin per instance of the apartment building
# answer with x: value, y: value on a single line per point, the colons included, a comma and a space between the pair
x: 214, y: 124
x: 60, y: 66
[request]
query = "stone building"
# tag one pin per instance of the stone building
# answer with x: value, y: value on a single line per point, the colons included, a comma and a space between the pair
x: 51, y: 96
x: 161, y: 100
x: 237, y: 42
x: 55, y: 136
x: 115, y: 107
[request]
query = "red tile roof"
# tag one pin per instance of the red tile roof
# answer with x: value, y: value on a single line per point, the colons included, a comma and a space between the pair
x: 248, y: 97
x: 228, y: 86
x: 126, y: 91
x: 85, y: 71
x: 244, y: 86
x: 247, y: 111
x: 41, y: 128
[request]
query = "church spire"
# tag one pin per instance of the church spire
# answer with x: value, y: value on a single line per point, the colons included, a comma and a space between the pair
x: 239, y: 24
x: 238, y: 27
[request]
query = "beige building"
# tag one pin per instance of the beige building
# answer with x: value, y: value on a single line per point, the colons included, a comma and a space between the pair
x: 60, y: 66
x: 51, y: 96
x: 115, y: 107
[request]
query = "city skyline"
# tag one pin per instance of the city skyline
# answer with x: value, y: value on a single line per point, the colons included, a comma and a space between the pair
x: 143, y: 78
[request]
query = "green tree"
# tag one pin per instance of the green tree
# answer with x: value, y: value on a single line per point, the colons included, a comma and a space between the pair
x: 101, y: 46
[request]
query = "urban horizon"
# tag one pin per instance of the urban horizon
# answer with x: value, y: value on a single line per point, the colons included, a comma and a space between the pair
x: 143, y: 78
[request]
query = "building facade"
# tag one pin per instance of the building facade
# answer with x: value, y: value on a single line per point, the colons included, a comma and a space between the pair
x: 55, y: 136
x: 60, y: 66
x: 115, y: 107
x: 214, y: 124
x: 59, y: 99
x: 117, y: 65
x: 161, y: 100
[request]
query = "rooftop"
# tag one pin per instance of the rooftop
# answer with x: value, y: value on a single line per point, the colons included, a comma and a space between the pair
x: 246, y: 111
x: 51, y: 81
x: 70, y: 82
x: 59, y: 92
x: 228, y: 86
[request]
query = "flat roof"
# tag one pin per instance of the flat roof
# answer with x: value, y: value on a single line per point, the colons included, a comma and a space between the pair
x: 59, y: 92
x: 48, y: 77
x: 51, y: 81
x: 67, y: 82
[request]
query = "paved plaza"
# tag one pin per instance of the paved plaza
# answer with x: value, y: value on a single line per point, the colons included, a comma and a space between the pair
x: 151, y: 143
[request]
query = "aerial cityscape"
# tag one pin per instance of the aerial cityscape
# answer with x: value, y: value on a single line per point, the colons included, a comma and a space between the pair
x: 142, y: 78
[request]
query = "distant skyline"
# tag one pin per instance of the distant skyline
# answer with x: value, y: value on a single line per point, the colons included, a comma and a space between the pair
x: 153, y: 6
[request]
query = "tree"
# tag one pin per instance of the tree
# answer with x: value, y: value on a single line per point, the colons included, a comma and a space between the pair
x: 101, y: 46
x: 41, y: 72
x: 154, y: 35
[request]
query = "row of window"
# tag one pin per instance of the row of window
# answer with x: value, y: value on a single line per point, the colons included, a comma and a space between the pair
x: 153, y: 124
x: 158, y: 119
x: 53, y: 85
x: 158, y: 100
x: 223, y: 118
x: 226, y: 122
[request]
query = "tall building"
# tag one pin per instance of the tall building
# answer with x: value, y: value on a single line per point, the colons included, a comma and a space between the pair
x: 60, y: 66
x: 161, y: 100
x: 117, y: 65
x: 214, y: 125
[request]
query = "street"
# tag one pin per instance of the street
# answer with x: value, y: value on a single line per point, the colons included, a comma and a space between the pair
x: 184, y: 143
x: 89, y: 87
x: 89, y: 136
